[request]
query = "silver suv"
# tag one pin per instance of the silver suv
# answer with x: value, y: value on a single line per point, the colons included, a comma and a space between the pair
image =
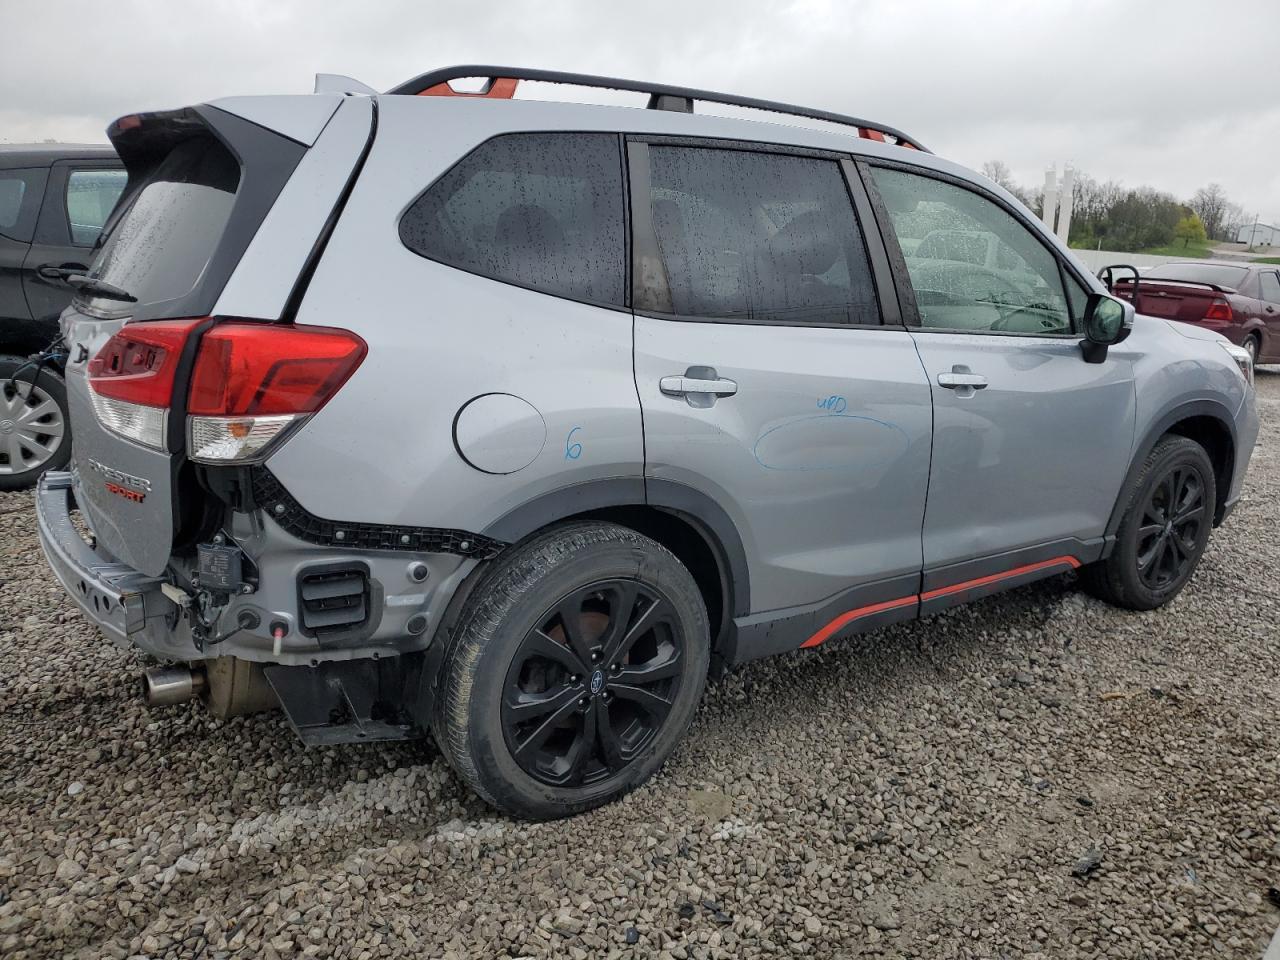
x: 510, y: 420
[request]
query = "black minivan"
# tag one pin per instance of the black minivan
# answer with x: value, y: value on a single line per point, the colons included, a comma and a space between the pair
x: 54, y: 200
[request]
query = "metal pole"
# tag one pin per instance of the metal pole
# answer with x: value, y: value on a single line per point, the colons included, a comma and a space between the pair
x: 1050, y: 206
x: 1066, y: 201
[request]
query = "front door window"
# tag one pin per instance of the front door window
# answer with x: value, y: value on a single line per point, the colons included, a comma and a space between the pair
x: 973, y: 265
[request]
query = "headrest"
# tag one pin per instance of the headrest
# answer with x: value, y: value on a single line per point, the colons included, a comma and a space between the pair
x: 525, y: 225
x: 805, y: 245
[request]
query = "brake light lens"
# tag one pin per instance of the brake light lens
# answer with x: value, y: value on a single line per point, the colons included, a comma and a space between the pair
x: 253, y: 382
x: 131, y: 378
x: 1219, y: 309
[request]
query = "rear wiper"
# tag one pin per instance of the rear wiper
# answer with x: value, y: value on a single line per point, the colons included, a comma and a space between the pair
x: 100, y: 288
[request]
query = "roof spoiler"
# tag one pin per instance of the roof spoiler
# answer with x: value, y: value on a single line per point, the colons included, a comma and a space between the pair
x: 501, y: 83
x: 1216, y: 287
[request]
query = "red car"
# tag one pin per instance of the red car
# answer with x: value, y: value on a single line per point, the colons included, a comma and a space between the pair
x: 1239, y: 301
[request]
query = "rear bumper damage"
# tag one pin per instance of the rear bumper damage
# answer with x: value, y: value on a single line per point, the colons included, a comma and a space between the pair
x: 117, y: 598
x: 367, y: 690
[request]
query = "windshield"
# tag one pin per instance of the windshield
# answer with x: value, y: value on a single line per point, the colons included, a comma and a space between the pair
x: 1222, y: 275
x: 158, y: 250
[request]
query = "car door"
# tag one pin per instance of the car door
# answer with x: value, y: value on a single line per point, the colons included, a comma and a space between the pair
x: 1269, y: 294
x: 771, y: 383
x: 20, y: 193
x: 78, y: 198
x: 1030, y: 442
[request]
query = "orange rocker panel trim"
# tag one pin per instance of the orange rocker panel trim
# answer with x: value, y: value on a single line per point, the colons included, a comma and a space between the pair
x: 859, y: 612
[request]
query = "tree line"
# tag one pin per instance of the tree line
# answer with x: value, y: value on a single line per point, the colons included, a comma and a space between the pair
x: 1128, y: 218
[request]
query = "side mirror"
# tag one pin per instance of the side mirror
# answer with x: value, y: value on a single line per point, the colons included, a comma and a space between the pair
x: 1106, y: 321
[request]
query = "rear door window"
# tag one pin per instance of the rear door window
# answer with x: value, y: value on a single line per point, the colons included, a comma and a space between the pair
x: 160, y: 247
x: 752, y: 236
x: 540, y: 210
x: 91, y: 194
x: 1270, y: 286
x: 20, y: 202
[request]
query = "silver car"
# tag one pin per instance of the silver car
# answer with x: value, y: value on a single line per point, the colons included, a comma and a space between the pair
x: 511, y: 421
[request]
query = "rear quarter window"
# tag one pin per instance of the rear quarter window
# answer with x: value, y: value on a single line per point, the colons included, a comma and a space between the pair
x: 541, y: 210
x: 20, y: 192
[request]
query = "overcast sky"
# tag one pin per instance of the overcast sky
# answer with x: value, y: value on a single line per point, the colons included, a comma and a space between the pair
x: 1168, y: 93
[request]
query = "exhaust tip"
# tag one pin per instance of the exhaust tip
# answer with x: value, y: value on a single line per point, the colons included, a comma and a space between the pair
x: 167, y: 686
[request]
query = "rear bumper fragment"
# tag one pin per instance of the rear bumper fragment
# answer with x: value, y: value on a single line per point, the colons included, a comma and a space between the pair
x: 113, y: 595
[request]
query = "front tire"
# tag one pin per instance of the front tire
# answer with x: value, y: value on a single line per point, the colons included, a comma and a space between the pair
x: 35, y: 433
x: 1164, y: 530
x: 574, y: 671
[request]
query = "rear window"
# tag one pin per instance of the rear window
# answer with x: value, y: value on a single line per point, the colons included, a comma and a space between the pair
x: 541, y: 210
x: 1219, y: 275
x: 160, y: 247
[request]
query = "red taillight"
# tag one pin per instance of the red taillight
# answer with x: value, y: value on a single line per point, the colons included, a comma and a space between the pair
x: 1219, y: 309
x: 250, y: 384
x: 139, y: 363
x: 254, y: 382
x: 258, y: 369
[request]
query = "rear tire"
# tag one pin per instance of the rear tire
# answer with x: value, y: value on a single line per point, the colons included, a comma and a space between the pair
x: 1253, y: 345
x: 575, y: 669
x: 35, y: 425
x: 1166, y: 524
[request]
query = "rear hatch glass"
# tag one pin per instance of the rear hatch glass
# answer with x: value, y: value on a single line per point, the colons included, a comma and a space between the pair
x: 162, y: 244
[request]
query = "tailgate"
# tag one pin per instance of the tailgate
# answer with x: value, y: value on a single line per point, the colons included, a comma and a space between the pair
x: 201, y: 181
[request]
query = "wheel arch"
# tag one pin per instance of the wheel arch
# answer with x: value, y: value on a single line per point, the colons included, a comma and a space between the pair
x: 686, y: 521
x: 1207, y: 422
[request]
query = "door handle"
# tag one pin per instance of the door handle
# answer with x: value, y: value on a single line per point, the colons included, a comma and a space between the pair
x: 679, y: 386
x: 700, y: 386
x: 53, y: 271
x: 956, y: 379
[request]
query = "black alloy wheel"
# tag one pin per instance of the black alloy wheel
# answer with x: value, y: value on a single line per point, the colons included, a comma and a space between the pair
x: 1169, y: 534
x: 1168, y: 509
x: 592, y: 683
x: 574, y: 669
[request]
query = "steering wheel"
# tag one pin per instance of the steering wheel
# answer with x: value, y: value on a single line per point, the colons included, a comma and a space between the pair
x: 1047, y: 324
x: 987, y: 287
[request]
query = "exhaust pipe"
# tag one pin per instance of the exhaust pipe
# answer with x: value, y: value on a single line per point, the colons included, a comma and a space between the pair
x: 166, y: 686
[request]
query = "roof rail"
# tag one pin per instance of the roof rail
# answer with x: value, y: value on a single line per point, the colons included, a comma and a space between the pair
x: 501, y: 83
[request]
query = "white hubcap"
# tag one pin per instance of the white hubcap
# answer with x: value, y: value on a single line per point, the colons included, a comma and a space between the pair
x: 31, y: 427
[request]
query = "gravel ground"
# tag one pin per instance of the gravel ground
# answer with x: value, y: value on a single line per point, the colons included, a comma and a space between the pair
x: 925, y: 791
